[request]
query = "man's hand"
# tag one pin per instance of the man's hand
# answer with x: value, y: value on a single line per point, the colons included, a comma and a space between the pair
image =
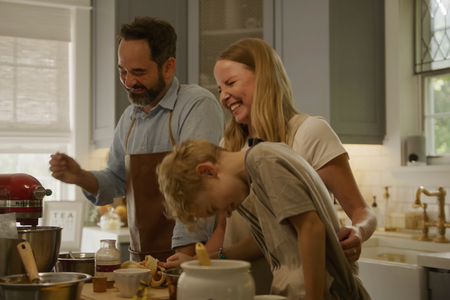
x: 351, y: 240
x: 65, y: 168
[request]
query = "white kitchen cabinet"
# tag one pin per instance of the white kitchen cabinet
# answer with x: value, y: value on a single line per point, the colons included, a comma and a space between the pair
x: 333, y: 52
x: 109, y: 98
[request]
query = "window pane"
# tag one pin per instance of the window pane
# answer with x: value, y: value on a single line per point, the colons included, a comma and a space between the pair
x: 432, y: 35
x: 442, y: 135
x: 441, y: 93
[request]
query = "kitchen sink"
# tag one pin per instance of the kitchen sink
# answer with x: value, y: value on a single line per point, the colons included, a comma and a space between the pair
x: 388, y: 266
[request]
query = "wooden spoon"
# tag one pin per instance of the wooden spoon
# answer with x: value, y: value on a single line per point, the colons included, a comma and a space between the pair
x: 26, y: 253
x: 202, y: 254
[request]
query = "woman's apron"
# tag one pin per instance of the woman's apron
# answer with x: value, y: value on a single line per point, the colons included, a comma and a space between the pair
x: 151, y: 232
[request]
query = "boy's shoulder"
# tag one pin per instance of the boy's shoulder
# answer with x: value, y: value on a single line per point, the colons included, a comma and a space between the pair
x: 267, y: 149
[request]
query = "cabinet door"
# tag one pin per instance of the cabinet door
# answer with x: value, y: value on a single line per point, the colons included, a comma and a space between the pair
x: 333, y: 52
x: 217, y: 24
x: 357, y: 70
x: 109, y: 98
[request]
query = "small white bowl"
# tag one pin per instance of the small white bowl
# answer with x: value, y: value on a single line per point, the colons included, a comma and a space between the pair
x: 127, y: 280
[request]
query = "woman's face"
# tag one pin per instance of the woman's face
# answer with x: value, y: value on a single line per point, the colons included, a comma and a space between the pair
x: 236, y: 84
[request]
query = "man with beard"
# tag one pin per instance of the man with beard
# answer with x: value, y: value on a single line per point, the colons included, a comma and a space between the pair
x: 162, y: 114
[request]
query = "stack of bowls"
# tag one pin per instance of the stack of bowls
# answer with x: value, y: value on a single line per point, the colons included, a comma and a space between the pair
x: 45, y: 242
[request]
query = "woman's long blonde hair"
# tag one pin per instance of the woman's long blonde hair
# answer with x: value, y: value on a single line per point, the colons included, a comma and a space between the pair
x: 273, y: 105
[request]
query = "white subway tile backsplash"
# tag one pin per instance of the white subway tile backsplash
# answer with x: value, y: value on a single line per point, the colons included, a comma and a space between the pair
x: 371, y: 178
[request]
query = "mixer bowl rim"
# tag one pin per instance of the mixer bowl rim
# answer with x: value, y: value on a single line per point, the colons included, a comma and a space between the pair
x: 25, y: 229
x: 42, y: 276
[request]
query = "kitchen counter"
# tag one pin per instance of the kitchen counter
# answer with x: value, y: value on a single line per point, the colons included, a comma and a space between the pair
x: 90, y: 241
x: 434, y: 260
x: 114, y: 294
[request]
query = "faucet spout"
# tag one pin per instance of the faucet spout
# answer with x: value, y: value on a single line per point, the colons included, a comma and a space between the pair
x: 418, y: 203
x: 441, y: 224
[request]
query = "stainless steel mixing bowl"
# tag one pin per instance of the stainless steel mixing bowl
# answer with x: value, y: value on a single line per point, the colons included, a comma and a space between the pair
x: 61, y: 286
x: 45, y: 242
x: 82, y: 262
x: 10, y: 261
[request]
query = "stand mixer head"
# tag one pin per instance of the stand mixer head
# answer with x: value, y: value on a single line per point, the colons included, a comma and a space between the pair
x: 22, y: 194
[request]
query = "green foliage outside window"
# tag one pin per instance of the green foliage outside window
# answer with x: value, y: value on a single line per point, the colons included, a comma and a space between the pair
x: 441, y: 97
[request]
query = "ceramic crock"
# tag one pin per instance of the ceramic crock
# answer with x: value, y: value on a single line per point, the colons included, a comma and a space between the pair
x: 225, y: 279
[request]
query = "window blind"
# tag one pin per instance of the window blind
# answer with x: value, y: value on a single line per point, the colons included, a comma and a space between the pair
x: 34, y: 72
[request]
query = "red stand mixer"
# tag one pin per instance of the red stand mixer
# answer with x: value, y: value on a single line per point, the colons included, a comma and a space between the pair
x: 22, y: 194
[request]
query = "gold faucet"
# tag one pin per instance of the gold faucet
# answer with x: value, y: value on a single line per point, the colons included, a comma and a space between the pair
x: 441, y: 224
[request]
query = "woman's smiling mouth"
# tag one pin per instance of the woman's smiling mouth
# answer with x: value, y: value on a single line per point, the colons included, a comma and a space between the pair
x: 235, y: 106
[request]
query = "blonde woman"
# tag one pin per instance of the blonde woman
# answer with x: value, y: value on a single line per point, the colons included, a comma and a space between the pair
x: 254, y: 88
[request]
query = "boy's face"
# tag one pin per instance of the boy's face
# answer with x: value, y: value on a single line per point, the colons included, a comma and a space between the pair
x: 223, y: 194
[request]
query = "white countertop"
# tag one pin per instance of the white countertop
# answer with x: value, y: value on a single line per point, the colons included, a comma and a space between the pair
x: 434, y: 260
x: 90, y: 241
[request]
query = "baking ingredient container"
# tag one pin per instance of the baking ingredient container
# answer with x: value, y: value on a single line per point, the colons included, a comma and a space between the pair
x: 225, y: 279
x: 128, y: 280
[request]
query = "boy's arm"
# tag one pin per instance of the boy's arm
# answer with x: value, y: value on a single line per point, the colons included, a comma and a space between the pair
x: 311, y: 242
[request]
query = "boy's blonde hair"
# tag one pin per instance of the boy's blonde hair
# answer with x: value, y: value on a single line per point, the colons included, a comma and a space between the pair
x: 178, y: 180
x: 273, y: 105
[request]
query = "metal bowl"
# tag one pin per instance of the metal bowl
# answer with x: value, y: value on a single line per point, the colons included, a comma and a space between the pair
x: 45, y: 242
x: 10, y: 261
x: 172, y: 276
x: 61, y: 286
x: 81, y: 262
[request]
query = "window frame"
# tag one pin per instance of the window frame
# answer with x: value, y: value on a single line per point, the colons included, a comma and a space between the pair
x: 428, y: 118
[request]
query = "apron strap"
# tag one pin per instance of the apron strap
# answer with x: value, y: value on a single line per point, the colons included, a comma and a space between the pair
x: 128, y: 135
x: 170, y: 129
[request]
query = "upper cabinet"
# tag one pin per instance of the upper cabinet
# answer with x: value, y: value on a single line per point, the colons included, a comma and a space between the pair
x: 333, y: 52
x: 109, y: 98
x: 215, y: 25
x: 357, y: 70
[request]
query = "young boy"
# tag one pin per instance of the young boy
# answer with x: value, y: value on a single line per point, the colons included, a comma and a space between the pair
x: 283, y: 199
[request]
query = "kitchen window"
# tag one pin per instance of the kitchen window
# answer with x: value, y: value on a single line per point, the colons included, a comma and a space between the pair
x: 432, y: 61
x: 437, y: 113
x: 39, y: 88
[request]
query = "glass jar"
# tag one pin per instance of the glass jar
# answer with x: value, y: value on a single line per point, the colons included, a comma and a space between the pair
x: 107, y: 259
x: 110, y: 220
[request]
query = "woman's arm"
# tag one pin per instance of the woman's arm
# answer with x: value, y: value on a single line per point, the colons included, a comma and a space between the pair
x: 247, y: 249
x: 311, y: 243
x: 215, y: 242
x: 338, y: 177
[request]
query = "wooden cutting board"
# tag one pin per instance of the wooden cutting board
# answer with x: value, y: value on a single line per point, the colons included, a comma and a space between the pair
x: 114, y: 294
